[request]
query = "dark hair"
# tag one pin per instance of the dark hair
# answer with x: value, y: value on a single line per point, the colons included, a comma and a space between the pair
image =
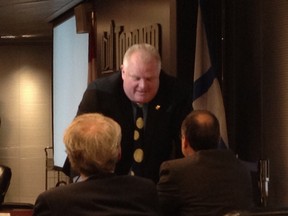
x: 201, y: 128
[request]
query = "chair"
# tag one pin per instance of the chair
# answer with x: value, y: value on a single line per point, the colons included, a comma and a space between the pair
x: 5, y: 177
x: 260, y: 179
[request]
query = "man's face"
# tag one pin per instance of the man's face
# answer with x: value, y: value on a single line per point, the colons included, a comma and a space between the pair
x: 140, y: 79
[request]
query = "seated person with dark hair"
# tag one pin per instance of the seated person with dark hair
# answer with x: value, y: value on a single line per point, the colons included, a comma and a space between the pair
x: 207, y: 181
x: 93, y: 146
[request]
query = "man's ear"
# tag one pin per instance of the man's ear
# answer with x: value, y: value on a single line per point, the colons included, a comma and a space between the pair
x: 184, y: 146
x: 122, y: 70
x: 187, y: 150
x: 185, y: 143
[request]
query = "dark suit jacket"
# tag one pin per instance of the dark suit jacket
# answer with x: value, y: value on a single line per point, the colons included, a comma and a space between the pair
x: 110, y: 195
x: 210, y: 183
x: 165, y: 114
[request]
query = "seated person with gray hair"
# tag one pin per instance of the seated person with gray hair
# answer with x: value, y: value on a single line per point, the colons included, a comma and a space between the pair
x: 92, y: 143
x: 207, y: 181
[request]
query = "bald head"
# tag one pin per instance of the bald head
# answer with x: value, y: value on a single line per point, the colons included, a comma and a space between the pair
x: 201, y: 130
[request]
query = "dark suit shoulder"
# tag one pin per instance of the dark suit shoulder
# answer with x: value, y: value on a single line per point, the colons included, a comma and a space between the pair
x: 108, y: 82
x: 176, y: 165
x: 174, y: 89
x: 118, y: 195
x: 102, y: 95
x: 167, y: 80
x: 134, y: 180
x: 202, y: 160
x: 121, y: 182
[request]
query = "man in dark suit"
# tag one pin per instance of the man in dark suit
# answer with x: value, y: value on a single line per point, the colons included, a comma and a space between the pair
x: 93, y: 146
x: 207, y: 181
x: 164, y: 100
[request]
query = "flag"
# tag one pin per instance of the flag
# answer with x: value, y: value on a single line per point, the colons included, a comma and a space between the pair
x: 92, y: 72
x: 206, y: 91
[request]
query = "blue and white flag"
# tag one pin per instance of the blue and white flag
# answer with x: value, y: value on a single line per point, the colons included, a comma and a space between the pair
x: 207, y: 92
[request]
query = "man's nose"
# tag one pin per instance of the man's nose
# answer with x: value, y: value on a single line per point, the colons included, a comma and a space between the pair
x: 142, y: 83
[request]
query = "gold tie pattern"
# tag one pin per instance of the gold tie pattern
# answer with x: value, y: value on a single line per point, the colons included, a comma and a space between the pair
x: 138, y: 155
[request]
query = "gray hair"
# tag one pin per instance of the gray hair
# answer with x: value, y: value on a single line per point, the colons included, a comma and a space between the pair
x: 148, y: 52
x: 93, y: 143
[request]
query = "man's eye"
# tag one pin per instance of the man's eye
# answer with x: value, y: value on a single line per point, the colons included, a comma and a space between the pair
x: 136, y: 78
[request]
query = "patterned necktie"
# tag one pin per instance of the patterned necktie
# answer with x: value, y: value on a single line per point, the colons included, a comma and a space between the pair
x: 138, y: 154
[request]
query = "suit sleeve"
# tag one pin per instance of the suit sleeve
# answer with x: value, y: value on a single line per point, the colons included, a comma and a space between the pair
x: 41, y: 207
x: 89, y: 102
x: 168, y: 191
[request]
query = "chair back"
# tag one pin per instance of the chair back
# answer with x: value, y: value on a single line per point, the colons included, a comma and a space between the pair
x: 5, y: 177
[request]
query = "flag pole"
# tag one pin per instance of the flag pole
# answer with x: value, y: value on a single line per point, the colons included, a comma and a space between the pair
x: 223, y: 40
x: 92, y: 72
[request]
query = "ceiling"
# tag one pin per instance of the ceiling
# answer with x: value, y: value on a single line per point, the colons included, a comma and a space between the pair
x: 30, y: 19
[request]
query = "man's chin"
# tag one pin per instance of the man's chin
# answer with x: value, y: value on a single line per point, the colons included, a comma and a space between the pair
x: 142, y: 101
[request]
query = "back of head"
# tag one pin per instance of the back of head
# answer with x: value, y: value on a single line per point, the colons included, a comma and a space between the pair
x: 93, y: 143
x: 201, y: 129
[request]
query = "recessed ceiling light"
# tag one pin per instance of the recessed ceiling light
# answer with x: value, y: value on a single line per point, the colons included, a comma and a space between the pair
x: 28, y: 36
x: 8, y: 36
